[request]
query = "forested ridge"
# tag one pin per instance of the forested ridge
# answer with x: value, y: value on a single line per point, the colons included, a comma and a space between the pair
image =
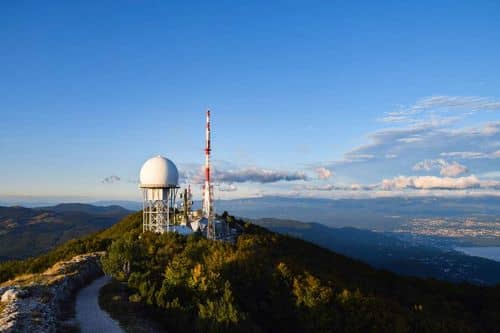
x: 27, y: 232
x: 272, y: 283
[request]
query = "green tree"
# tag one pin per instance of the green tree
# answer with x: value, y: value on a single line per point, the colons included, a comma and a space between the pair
x: 120, y: 258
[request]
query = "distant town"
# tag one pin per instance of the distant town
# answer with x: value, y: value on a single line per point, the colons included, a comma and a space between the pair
x: 453, y: 227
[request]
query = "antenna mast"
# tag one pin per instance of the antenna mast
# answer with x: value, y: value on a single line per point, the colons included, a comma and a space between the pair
x: 208, y: 210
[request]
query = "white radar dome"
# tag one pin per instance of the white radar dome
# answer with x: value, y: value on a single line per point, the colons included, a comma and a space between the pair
x: 159, y: 172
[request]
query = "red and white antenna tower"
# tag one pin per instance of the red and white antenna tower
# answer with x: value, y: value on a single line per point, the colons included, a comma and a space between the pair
x: 208, y: 207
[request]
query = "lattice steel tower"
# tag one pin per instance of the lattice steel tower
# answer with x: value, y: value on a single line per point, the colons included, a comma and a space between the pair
x: 159, y: 182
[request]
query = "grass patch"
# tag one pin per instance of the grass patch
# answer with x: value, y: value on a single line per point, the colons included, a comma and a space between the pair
x: 133, y: 315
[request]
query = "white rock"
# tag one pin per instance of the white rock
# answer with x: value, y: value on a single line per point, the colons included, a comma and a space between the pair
x: 9, y: 295
x: 36, y: 308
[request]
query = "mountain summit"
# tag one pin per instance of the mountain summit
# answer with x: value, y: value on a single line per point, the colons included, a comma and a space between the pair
x: 265, y: 282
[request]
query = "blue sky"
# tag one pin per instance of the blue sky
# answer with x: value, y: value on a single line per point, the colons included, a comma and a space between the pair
x: 322, y: 99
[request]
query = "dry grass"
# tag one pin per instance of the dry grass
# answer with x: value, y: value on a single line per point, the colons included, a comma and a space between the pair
x: 22, y: 280
x: 53, y: 274
x: 30, y: 279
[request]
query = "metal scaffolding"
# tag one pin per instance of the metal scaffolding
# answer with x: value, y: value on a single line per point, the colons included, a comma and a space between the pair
x: 158, y: 205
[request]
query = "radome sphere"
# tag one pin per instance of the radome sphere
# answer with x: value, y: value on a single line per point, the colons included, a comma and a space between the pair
x: 159, y: 172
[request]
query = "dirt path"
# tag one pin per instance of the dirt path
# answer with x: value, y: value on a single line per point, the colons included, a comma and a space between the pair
x: 88, y: 313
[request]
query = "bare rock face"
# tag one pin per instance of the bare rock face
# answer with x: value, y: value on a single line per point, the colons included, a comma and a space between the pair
x: 13, y: 293
x: 32, y: 303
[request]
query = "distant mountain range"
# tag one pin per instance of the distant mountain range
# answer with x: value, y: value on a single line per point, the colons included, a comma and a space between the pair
x: 28, y: 232
x: 381, y: 214
x: 31, y: 231
x: 388, y: 252
x: 127, y: 204
x: 99, y: 210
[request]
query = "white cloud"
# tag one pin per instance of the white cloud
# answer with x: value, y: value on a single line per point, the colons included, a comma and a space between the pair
x: 464, y: 154
x: 426, y: 130
x: 487, y: 130
x: 328, y: 187
x: 388, y: 142
x: 491, y: 129
x: 453, y: 170
x: 446, y: 169
x: 371, y: 159
x: 439, y: 108
x: 227, y: 188
x: 440, y: 183
x: 257, y: 175
x: 356, y: 157
x: 323, y: 173
x: 332, y: 187
x: 492, y: 174
x: 252, y: 175
x: 472, y: 154
x: 428, y: 165
x: 110, y: 180
x: 467, y: 102
x: 410, y: 139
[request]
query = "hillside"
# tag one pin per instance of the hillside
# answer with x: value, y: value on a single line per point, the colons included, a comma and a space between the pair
x: 388, y: 252
x: 269, y: 282
x: 98, y: 241
x: 31, y: 231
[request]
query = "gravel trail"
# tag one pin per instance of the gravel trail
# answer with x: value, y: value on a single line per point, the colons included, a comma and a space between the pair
x: 90, y: 316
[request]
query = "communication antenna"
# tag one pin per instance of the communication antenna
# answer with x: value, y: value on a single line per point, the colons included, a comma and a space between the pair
x: 208, y: 207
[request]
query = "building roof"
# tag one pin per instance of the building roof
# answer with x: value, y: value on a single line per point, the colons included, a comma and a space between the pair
x: 181, y: 229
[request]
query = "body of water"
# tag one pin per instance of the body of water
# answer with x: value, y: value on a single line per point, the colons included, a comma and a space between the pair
x: 488, y: 252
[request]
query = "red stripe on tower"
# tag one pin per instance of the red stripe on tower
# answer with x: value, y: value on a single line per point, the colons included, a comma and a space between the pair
x: 207, y: 195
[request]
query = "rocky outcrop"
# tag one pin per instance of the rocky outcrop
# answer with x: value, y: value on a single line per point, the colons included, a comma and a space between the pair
x: 32, y: 303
